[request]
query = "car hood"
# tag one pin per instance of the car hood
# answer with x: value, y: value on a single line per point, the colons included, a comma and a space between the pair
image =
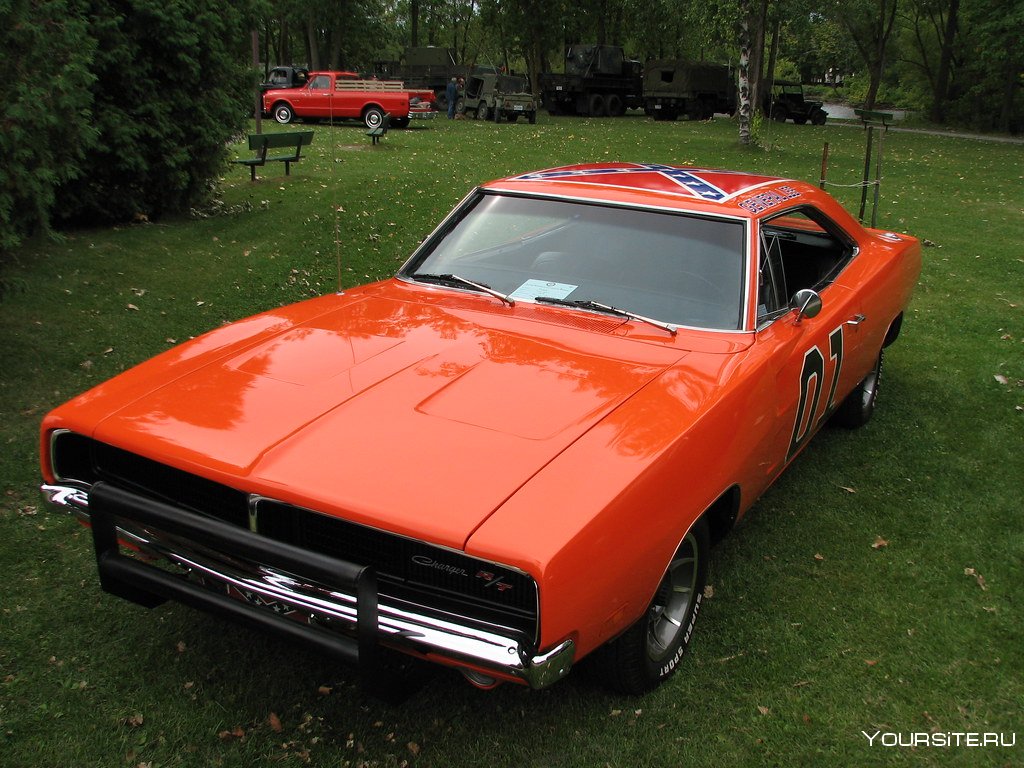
x: 417, y: 417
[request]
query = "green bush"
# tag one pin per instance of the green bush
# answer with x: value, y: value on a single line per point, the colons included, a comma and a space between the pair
x: 45, y: 113
x: 93, y: 128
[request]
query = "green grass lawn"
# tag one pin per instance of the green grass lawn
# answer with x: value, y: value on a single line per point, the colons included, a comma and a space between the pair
x: 876, y: 587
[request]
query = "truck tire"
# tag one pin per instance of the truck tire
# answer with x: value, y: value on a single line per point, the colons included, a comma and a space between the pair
x: 533, y: 118
x: 595, y: 105
x: 779, y: 113
x: 283, y: 113
x: 482, y: 112
x: 819, y: 117
x: 373, y: 117
x: 614, y: 104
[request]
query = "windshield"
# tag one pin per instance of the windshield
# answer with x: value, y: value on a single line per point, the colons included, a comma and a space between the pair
x: 679, y: 269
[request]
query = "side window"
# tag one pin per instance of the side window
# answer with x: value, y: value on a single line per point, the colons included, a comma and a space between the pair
x: 797, y: 249
x: 320, y: 83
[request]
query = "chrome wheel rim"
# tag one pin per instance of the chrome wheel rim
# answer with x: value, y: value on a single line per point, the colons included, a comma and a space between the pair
x: 671, y: 605
x: 870, y: 389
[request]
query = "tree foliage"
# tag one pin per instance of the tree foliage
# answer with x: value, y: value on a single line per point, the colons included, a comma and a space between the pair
x: 118, y: 108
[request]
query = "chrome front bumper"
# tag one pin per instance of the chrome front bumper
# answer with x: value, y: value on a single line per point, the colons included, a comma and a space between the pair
x: 251, y: 578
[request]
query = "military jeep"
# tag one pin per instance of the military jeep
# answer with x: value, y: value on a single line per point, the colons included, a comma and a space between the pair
x: 497, y: 97
x: 786, y: 101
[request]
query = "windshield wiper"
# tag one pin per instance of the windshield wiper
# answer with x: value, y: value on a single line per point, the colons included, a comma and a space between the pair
x: 607, y: 308
x: 449, y: 279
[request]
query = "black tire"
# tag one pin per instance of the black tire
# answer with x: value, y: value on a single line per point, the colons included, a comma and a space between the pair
x: 482, y: 112
x: 819, y: 117
x: 283, y: 113
x: 400, y: 122
x: 780, y: 114
x: 614, y: 105
x: 647, y: 653
x: 856, y: 410
x: 460, y: 105
x: 373, y: 117
x: 595, y: 105
x: 533, y: 118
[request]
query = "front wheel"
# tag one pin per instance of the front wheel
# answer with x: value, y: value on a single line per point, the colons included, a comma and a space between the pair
x: 373, y: 117
x: 482, y: 112
x: 855, y: 411
x: 647, y: 653
x: 283, y: 113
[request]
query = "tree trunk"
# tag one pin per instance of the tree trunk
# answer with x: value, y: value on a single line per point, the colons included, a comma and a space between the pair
x: 745, y: 111
x: 758, y: 20
x: 414, y: 21
x: 313, y: 43
x: 941, y: 92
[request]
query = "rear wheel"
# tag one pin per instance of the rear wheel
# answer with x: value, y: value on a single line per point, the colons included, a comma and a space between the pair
x: 819, y: 116
x: 780, y: 114
x: 482, y: 112
x: 647, y: 653
x: 614, y: 105
x: 595, y: 105
x: 856, y: 410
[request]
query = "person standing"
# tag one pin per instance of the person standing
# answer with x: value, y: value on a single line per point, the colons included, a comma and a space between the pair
x: 452, y: 95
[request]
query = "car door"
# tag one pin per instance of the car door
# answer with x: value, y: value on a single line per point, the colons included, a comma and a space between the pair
x: 315, y: 100
x: 815, y: 360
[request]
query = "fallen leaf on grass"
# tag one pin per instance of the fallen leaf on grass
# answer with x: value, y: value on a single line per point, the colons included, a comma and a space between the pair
x: 132, y: 307
x: 819, y: 557
x: 324, y: 690
x: 413, y: 747
x: 235, y: 733
x: 871, y: 662
x: 1001, y: 379
x: 274, y: 722
x: 763, y: 710
x: 977, y: 577
x: 880, y: 543
x: 848, y: 489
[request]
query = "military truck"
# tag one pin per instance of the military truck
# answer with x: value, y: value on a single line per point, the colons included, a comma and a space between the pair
x: 785, y: 100
x: 490, y: 96
x: 598, y: 80
x: 424, y: 67
x: 674, y: 87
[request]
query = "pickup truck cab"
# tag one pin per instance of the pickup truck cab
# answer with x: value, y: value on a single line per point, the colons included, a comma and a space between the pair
x: 343, y: 95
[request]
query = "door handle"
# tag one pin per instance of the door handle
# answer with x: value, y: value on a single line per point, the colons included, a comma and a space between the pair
x: 856, y: 319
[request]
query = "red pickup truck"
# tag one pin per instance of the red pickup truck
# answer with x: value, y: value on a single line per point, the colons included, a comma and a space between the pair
x: 340, y: 95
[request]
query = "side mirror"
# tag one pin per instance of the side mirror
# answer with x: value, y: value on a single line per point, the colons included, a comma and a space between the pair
x: 806, y: 302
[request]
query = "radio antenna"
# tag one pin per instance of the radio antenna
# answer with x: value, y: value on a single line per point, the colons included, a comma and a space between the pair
x: 334, y: 195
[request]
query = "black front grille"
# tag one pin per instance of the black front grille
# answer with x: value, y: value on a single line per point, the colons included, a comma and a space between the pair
x: 408, y: 569
x: 402, y: 559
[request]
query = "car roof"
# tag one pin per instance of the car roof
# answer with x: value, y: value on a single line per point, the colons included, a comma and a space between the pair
x: 670, y: 187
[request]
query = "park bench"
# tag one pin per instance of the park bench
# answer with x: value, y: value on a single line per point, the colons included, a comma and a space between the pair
x: 260, y: 143
x: 375, y: 134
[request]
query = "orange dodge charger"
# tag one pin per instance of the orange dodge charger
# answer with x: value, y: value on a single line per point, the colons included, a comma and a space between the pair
x: 516, y: 452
